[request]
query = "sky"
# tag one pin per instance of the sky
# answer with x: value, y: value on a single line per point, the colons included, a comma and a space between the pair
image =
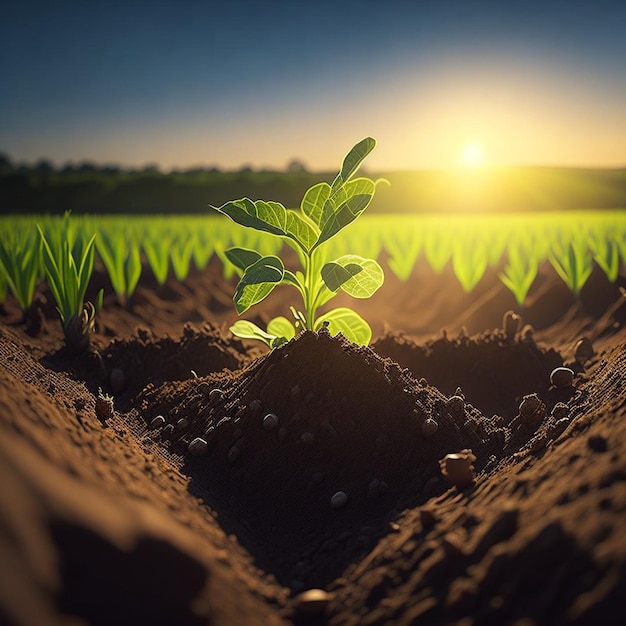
x: 190, y: 83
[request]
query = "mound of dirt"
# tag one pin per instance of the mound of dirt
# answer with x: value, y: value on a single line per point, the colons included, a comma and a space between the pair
x: 494, y: 372
x: 318, y: 417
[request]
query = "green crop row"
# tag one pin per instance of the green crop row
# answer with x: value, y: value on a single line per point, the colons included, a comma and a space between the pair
x: 514, y: 245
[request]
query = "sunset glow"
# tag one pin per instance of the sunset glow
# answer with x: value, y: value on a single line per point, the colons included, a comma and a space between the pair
x: 424, y: 80
x: 471, y: 155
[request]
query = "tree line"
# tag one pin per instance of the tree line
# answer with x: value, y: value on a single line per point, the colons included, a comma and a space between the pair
x: 90, y: 188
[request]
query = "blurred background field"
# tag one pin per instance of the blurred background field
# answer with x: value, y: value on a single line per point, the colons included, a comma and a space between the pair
x: 88, y: 188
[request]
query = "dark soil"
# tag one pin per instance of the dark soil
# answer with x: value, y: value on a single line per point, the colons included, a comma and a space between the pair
x: 217, y: 515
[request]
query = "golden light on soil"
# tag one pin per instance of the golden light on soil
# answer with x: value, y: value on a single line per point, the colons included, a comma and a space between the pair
x: 471, y: 155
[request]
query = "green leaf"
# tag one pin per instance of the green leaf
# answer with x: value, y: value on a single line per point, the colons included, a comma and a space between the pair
x: 242, y: 258
x: 353, y: 160
x: 349, y: 203
x: 248, y: 330
x: 133, y: 269
x: 469, y: 262
x: 313, y: 202
x: 257, y: 282
x: 157, y: 254
x: 271, y: 217
x: 335, y: 275
x: 365, y: 283
x: 281, y: 327
x: 348, y: 322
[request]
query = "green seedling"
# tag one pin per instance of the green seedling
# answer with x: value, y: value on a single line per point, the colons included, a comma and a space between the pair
x: 325, y: 210
x: 181, y: 254
x: 469, y: 262
x: 68, y: 263
x: 157, y: 250
x: 573, y: 263
x: 122, y: 260
x: 519, y: 273
x: 20, y: 265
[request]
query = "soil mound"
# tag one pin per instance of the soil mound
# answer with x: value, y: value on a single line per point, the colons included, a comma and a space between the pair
x: 316, y: 418
x: 495, y: 372
x: 143, y: 359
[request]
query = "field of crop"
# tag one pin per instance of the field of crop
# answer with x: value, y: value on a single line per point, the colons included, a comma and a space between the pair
x: 516, y: 245
x: 464, y: 464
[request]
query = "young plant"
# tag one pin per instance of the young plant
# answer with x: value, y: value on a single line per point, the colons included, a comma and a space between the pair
x: 157, y: 249
x: 325, y: 210
x: 519, y: 273
x: 122, y: 260
x: 573, y: 263
x: 68, y: 264
x: 20, y: 265
x: 180, y: 255
x: 469, y: 262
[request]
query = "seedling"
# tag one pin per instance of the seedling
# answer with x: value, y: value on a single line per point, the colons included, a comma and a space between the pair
x: 68, y: 263
x: 573, y: 263
x: 519, y: 273
x: 122, y: 260
x: 325, y: 210
x: 19, y: 266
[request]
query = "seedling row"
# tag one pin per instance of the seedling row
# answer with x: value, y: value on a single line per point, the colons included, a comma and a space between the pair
x: 514, y: 245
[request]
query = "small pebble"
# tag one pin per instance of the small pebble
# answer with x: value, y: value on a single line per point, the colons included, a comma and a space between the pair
x: 270, y: 421
x: 560, y: 410
x: 104, y: 406
x: 562, y: 377
x: 307, y: 438
x: 531, y: 405
x: 157, y: 422
x: 583, y: 350
x: 457, y: 468
x: 198, y: 446
x: 215, y: 394
x: 339, y: 500
x: 312, y: 602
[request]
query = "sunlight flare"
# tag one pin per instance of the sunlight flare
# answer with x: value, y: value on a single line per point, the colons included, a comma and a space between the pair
x: 471, y: 155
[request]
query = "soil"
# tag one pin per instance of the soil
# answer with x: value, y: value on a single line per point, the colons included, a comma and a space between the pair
x: 175, y: 475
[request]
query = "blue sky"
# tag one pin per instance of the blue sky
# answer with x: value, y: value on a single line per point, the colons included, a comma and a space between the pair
x: 258, y: 83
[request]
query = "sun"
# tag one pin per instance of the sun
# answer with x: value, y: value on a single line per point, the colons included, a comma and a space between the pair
x: 471, y: 155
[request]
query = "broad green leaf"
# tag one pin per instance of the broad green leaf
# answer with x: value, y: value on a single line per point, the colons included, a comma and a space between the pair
x: 248, y: 330
x: 365, y: 283
x: 353, y: 160
x: 313, y: 202
x: 358, y: 195
x: 281, y: 327
x: 242, y: 258
x: 335, y: 275
x: 271, y: 217
x: 348, y: 322
x: 257, y: 282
